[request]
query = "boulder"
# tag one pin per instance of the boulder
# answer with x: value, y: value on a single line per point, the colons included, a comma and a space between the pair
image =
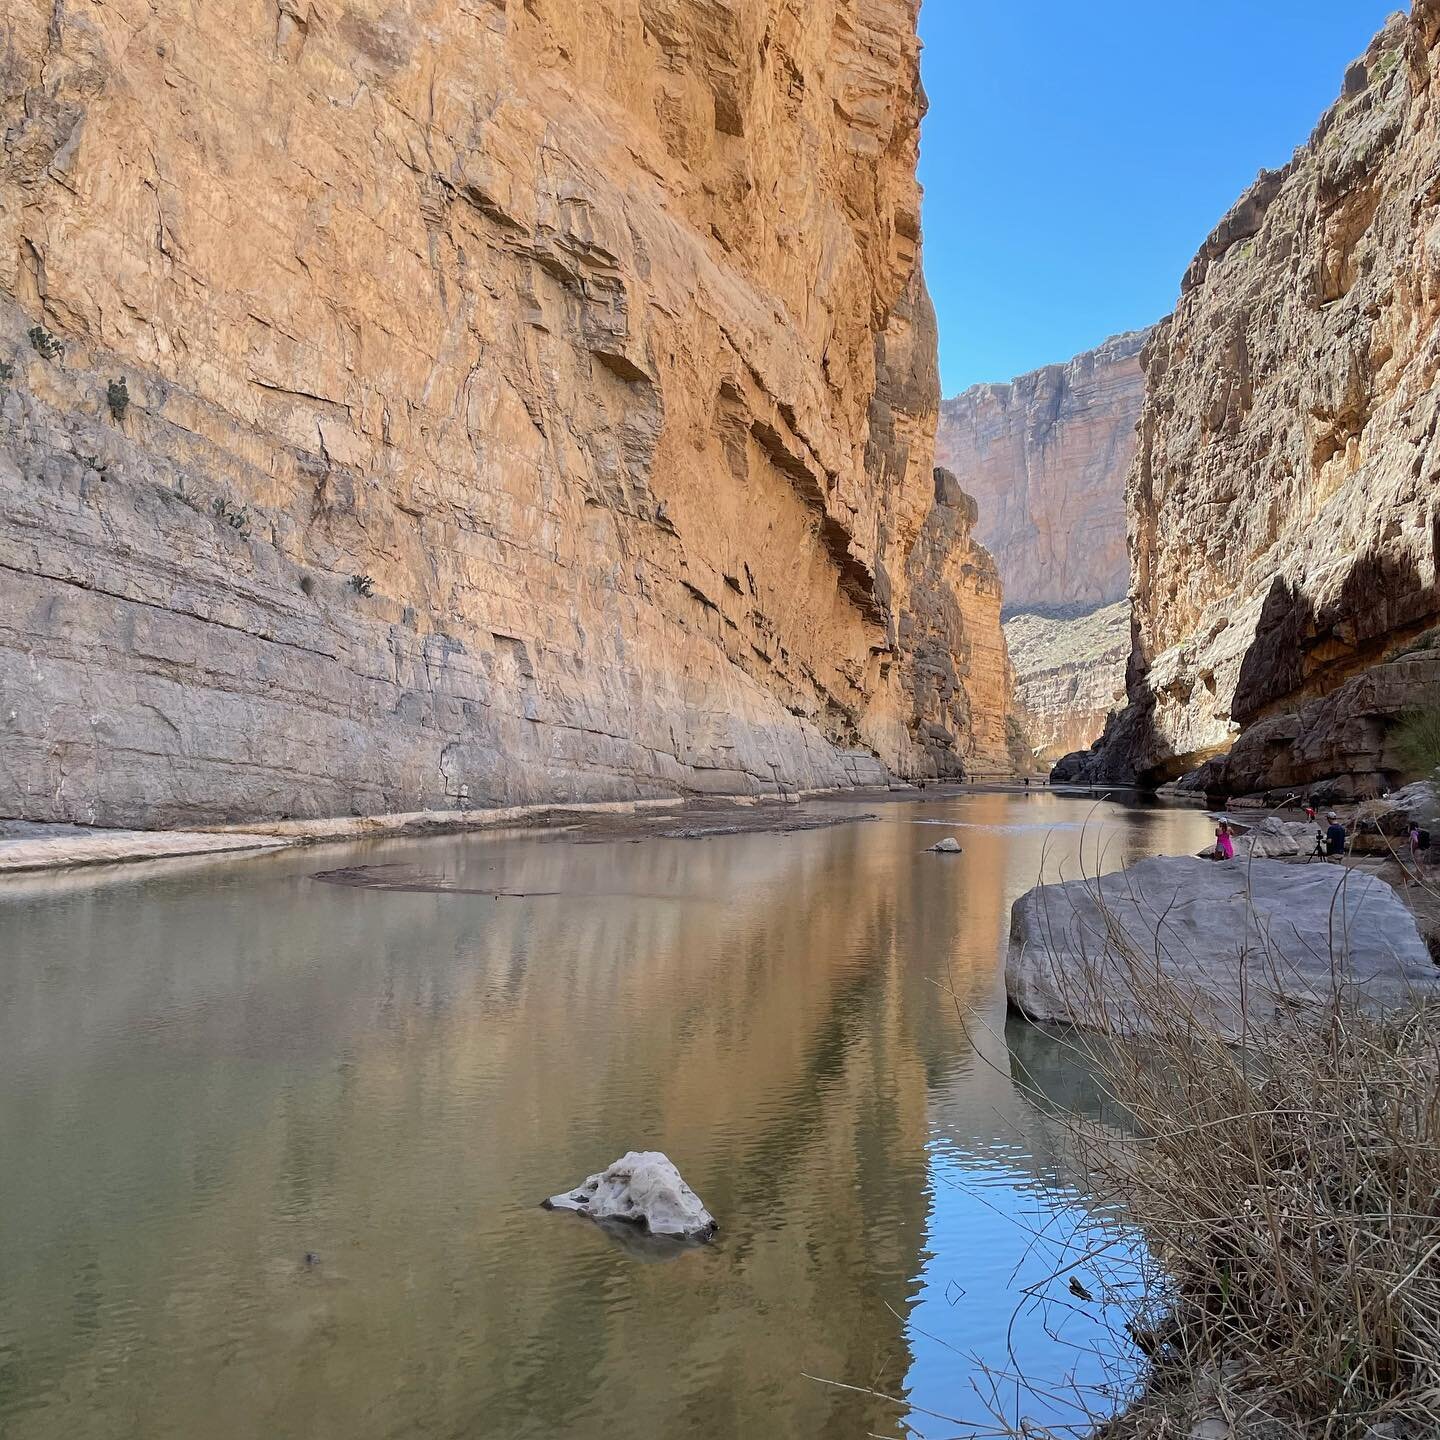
x: 1272, y: 838
x: 642, y: 1189
x: 948, y: 846
x: 1392, y: 815
x: 1234, y: 940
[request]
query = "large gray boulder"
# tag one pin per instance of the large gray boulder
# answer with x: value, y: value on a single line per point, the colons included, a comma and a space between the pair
x: 1272, y: 837
x: 1231, y: 942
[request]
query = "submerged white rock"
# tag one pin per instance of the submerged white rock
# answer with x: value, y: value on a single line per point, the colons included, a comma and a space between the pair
x: 642, y: 1188
x: 949, y: 846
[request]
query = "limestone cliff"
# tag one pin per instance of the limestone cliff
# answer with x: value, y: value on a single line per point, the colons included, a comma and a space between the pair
x: 1069, y: 675
x: 952, y: 640
x: 1283, y: 509
x: 445, y: 402
x: 1045, y: 458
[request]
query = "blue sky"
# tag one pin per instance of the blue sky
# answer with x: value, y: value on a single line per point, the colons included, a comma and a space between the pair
x: 1078, y: 152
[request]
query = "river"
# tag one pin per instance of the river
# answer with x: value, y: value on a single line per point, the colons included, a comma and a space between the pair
x: 271, y: 1148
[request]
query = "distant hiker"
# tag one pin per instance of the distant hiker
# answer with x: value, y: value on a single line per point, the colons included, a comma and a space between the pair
x: 1224, y: 842
x: 1415, y: 843
x: 1310, y: 812
x: 1334, y: 835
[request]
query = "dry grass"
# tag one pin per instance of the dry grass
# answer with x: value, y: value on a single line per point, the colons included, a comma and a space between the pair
x: 1416, y: 740
x: 1288, y: 1188
x: 1290, y: 1193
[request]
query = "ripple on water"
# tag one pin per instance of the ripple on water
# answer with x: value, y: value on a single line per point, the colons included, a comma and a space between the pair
x: 210, y: 1073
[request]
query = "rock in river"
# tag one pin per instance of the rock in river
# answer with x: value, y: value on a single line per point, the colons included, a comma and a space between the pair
x: 948, y: 846
x: 644, y: 1189
x: 1237, y: 941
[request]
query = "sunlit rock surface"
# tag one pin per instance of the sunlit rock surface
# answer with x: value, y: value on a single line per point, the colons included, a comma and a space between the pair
x: 1282, y: 505
x: 1045, y: 458
x: 641, y: 1188
x: 520, y: 402
x: 1069, y: 674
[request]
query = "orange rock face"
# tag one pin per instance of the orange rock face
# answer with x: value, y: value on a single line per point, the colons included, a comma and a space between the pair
x: 1046, y: 458
x: 951, y: 637
x: 522, y: 401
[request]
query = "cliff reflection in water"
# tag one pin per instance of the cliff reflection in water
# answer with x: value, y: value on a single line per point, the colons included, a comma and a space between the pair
x: 208, y: 1073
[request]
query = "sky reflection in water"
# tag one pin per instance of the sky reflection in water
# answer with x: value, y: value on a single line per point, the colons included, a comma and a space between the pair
x: 209, y: 1071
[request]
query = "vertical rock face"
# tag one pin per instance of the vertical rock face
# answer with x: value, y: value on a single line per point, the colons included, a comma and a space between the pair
x: 1045, y: 457
x: 459, y: 401
x: 1283, y: 506
x: 1070, y: 675
x: 952, y: 641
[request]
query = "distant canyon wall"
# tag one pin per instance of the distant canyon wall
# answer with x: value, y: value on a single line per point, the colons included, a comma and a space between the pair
x: 455, y: 402
x: 1283, y: 504
x: 1045, y: 458
x: 1069, y: 675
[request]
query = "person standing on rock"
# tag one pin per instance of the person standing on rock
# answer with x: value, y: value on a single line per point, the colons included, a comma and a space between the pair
x: 1224, y: 842
x: 1334, y: 835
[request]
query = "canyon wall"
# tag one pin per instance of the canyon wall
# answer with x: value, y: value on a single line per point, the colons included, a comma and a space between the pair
x: 1045, y: 458
x: 1069, y: 675
x: 1283, y: 508
x: 962, y: 684
x: 436, y: 403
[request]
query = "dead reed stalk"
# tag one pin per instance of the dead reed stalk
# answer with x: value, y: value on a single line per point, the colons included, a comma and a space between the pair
x: 1288, y: 1188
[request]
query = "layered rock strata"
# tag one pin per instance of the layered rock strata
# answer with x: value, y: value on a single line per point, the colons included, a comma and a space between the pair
x: 1045, y: 458
x: 1069, y: 675
x: 952, y: 642
x: 1283, y: 508
x: 426, y: 405
x: 1340, y: 746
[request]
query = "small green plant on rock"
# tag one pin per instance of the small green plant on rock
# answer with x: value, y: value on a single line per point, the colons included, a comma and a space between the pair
x: 237, y: 517
x: 1385, y: 66
x: 1417, y: 739
x: 117, y: 397
x: 46, y: 345
x: 1428, y: 640
x: 362, y: 585
x: 7, y: 372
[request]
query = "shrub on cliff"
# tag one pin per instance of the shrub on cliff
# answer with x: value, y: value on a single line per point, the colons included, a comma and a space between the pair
x: 1416, y: 740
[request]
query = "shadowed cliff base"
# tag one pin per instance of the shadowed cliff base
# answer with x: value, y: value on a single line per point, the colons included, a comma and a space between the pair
x: 1319, y: 694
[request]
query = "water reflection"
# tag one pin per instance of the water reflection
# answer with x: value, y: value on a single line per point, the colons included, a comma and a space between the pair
x: 210, y: 1073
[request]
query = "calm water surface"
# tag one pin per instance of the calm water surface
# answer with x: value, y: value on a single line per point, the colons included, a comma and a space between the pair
x: 209, y: 1070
